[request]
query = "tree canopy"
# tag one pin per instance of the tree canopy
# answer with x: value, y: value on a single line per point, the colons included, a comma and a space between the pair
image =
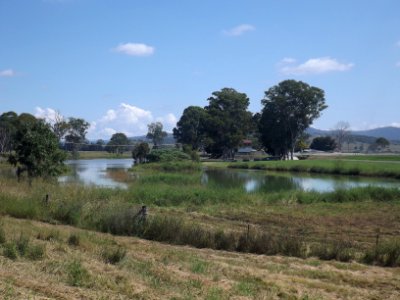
x: 156, y: 133
x: 140, y: 151
x: 190, y: 129
x: 76, y: 134
x: 289, y: 108
x: 323, y: 143
x: 228, y: 122
x: 118, y: 143
x: 37, y: 151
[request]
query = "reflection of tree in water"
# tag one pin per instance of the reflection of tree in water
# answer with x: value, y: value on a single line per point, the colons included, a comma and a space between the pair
x: 249, y: 181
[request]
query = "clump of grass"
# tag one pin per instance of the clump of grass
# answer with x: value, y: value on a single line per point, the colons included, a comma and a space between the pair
x: 386, y: 254
x: 2, y: 235
x: 53, y: 235
x: 112, y: 254
x: 10, y: 250
x: 36, y: 252
x: 73, y: 240
x: 77, y: 275
x: 22, y: 244
x: 199, y: 266
x: 341, y: 250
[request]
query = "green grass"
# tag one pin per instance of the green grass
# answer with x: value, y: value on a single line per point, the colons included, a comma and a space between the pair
x: 182, y: 211
x: 331, y: 166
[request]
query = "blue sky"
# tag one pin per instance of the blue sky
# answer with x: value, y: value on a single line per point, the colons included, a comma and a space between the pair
x: 123, y: 64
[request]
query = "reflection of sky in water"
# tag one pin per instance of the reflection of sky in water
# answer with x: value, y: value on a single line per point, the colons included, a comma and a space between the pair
x: 259, y: 181
x: 94, y: 172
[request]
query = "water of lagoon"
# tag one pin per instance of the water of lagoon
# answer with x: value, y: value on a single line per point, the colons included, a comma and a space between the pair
x: 102, y: 172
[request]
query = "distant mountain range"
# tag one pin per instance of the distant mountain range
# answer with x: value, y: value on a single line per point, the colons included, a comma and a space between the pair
x: 368, y: 136
x: 169, y: 139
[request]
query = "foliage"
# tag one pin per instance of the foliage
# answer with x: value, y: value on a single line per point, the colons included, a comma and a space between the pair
x: 118, y: 143
x: 37, y: 151
x: 77, y: 129
x: 167, y: 155
x: 156, y: 133
x: 228, y: 122
x: 323, y: 143
x: 190, y: 129
x: 382, y: 142
x: 140, y: 151
x: 289, y: 109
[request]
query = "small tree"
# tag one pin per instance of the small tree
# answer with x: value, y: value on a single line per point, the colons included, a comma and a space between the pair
x: 37, y: 151
x: 323, y: 143
x: 140, y: 151
x: 342, y: 134
x: 118, y: 143
x: 77, y: 129
x: 156, y: 133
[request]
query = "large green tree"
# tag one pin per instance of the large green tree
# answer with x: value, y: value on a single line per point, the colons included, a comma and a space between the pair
x: 36, y: 151
x: 118, y: 143
x: 156, y: 133
x: 228, y: 122
x: 190, y: 128
x: 289, y: 109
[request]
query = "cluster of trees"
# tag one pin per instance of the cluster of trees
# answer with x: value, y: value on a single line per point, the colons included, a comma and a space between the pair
x: 219, y: 128
x: 31, y: 144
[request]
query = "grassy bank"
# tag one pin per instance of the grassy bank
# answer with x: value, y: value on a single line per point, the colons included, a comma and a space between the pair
x: 340, y: 225
x: 331, y: 166
x: 79, y: 264
x: 101, y: 154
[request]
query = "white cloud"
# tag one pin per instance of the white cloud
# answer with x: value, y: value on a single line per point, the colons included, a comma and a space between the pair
x: 134, y: 49
x: 7, y: 73
x: 48, y: 114
x: 128, y: 119
x: 313, y: 66
x: 398, y: 64
x: 239, y: 30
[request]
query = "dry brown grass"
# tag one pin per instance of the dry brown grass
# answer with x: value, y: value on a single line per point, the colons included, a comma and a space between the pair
x: 153, y: 270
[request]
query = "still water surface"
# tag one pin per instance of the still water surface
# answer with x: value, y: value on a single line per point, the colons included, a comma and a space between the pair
x: 101, y: 172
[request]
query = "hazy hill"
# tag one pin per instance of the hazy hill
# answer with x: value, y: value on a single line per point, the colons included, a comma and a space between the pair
x: 366, y: 136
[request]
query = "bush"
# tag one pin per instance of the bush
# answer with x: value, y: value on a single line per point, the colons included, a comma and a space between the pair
x: 167, y: 155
